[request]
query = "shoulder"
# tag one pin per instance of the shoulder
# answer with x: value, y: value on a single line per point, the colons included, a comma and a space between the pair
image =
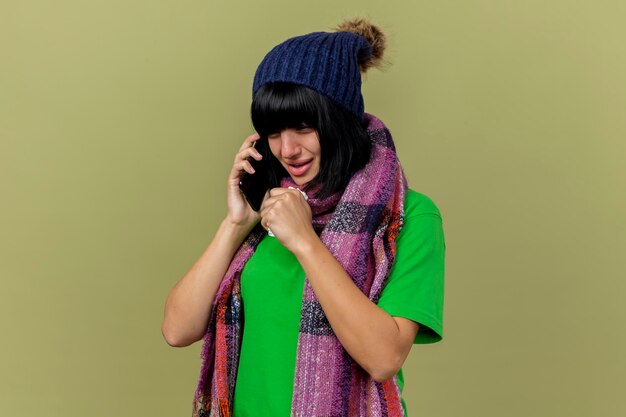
x: 422, y: 223
x: 416, y: 204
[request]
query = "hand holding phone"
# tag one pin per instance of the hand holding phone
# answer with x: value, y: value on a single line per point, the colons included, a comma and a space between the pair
x: 254, y: 186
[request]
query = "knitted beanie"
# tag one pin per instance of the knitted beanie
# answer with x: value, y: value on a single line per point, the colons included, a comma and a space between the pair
x: 327, y: 62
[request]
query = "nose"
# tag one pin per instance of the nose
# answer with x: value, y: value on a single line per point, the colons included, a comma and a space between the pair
x: 289, y: 146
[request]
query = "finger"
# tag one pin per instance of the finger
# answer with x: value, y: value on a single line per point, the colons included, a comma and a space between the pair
x: 268, y: 207
x: 249, y: 141
x: 264, y: 203
x: 247, y: 154
x: 244, y: 165
x: 253, y: 153
x: 264, y: 219
x: 285, y: 192
x: 274, y: 201
x: 274, y: 192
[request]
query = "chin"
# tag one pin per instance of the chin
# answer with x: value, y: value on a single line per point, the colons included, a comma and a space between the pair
x: 300, y: 182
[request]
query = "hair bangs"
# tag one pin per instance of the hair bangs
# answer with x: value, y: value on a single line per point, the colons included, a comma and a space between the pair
x: 279, y: 106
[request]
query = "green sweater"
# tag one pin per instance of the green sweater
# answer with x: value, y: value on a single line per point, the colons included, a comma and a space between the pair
x: 272, y: 283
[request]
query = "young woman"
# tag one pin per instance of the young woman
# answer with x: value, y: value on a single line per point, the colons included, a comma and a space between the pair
x: 310, y: 306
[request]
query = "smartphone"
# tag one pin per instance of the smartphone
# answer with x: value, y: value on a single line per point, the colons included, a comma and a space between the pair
x: 254, y: 186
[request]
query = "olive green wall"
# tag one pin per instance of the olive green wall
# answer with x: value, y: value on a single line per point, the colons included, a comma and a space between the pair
x: 118, y: 123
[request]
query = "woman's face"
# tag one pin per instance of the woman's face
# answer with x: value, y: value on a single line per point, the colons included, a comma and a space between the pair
x: 299, y: 152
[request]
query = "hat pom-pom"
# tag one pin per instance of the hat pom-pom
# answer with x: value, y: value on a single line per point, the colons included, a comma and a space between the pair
x: 372, y: 34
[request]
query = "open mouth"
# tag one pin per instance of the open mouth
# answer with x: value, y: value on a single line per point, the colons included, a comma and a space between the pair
x: 299, y: 168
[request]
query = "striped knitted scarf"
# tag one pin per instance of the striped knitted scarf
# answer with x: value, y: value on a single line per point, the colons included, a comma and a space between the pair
x: 359, y: 227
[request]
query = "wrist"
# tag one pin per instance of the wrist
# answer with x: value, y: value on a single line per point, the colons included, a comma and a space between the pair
x: 237, y: 230
x: 308, y: 244
x: 240, y: 222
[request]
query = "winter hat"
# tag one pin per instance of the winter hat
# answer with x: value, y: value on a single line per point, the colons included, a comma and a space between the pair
x: 327, y: 62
